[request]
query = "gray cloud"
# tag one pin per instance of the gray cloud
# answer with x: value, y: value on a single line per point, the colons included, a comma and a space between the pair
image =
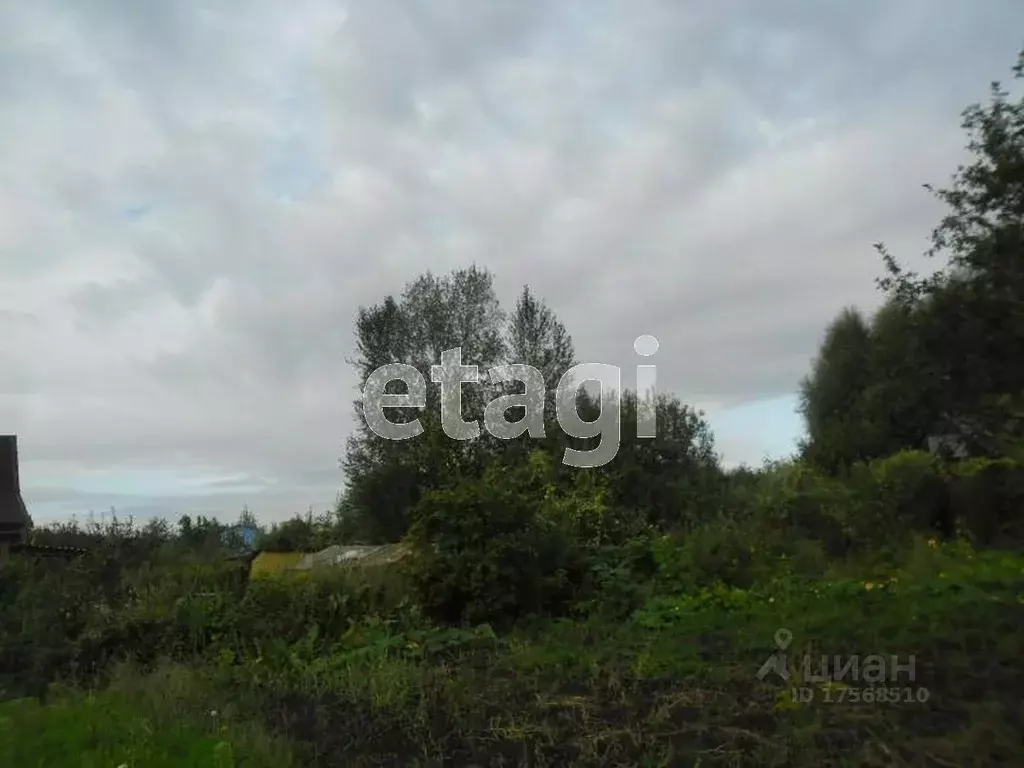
x: 194, y: 202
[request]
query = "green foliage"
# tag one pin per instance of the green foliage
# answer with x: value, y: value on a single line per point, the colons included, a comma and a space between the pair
x: 897, y: 495
x: 880, y: 504
x: 618, y: 578
x: 704, y: 557
x: 305, y: 533
x: 797, y: 501
x: 901, y: 401
x: 385, y: 478
x: 139, y: 721
x: 550, y: 616
x: 289, y: 657
x: 830, y: 396
x: 504, y: 546
x: 988, y: 499
x: 664, y: 480
x: 99, y: 732
x: 913, y: 491
x: 728, y: 556
x: 536, y: 337
x: 943, y: 356
x: 669, y: 479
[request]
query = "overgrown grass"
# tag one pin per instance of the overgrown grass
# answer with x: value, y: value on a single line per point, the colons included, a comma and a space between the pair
x: 673, y: 682
x: 136, y: 724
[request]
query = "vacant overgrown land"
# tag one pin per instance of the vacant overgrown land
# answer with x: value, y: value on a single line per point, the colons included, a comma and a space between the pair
x: 644, y: 652
x: 860, y: 603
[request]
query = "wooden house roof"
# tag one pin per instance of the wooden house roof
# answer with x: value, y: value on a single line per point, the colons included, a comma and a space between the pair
x: 14, y: 517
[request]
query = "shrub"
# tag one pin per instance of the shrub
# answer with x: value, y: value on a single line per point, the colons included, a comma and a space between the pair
x: 713, y: 553
x: 617, y: 579
x: 987, y: 498
x: 503, y: 546
x: 788, y: 557
x: 794, y: 500
x: 896, y: 496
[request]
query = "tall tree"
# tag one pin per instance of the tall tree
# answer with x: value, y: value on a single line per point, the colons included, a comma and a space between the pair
x: 658, y: 479
x: 665, y: 480
x: 831, y: 397
x: 534, y: 336
x: 384, y: 478
x: 972, y: 309
x: 900, y: 400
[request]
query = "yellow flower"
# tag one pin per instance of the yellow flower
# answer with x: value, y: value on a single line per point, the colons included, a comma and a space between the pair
x: 933, y: 543
x: 868, y: 585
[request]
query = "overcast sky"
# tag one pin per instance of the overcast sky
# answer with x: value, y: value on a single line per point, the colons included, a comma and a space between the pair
x: 195, y: 199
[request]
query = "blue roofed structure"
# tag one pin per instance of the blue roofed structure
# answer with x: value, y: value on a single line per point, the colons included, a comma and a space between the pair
x: 246, y: 534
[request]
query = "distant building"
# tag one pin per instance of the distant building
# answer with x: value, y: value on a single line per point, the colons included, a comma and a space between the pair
x: 352, y: 554
x: 15, y: 521
x: 951, y: 446
x: 14, y: 517
x: 247, y: 534
x: 272, y: 562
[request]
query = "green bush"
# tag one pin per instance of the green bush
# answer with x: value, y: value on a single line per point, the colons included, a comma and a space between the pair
x: 617, y: 579
x: 714, y: 553
x: 988, y: 499
x: 895, y: 497
x: 786, y: 558
x: 794, y: 500
x: 724, y: 553
x: 503, y: 546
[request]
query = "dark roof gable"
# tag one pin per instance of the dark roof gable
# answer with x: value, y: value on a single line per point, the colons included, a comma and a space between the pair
x: 14, y: 516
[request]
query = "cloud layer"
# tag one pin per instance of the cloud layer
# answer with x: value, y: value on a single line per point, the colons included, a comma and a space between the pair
x: 195, y: 201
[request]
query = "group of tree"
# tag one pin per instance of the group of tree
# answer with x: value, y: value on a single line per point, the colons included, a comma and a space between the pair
x: 385, y: 479
x: 944, y: 355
